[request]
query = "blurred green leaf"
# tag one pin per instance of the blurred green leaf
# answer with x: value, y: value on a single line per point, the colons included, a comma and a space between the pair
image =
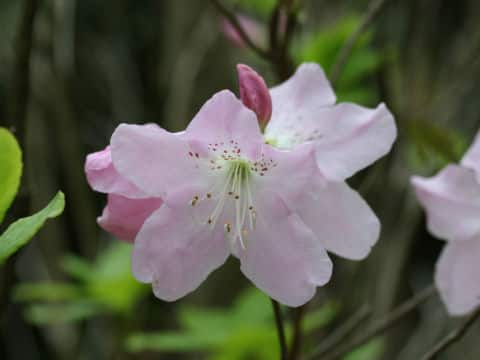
x: 46, y: 292
x: 20, y: 232
x: 369, y: 351
x: 111, y: 282
x: 432, y: 145
x: 205, y: 320
x: 77, y: 267
x: 172, y: 342
x: 260, y: 7
x: 323, y: 47
x: 246, y: 331
x: 10, y: 170
x: 46, y: 314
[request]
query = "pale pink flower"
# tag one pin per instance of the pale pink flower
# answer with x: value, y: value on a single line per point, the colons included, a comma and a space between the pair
x: 254, y: 93
x: 347, y: 138
x: 225, y: 192
x: 127, y: 206
x: 452, y: 202
x: 254, y: 30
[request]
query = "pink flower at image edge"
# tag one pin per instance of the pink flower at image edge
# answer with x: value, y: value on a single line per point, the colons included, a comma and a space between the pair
x: 452, y: 203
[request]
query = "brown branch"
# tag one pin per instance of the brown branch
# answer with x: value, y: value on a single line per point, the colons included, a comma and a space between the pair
x: 372, y: 11
x: 383, y: 324
x: 280, y: 329
x: 341, y: 333
x: 232, y: 19
x: 452, y: 337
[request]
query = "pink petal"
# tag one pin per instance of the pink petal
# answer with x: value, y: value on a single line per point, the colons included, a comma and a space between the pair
x: 224, y: 118
x: 452, y: 202
x: 307, y: 88
x: 123, y: 217
x: 457, y: 274
x: 153, y: 159
x: 254, y: 93
x: 340, y: 219
x: 472, y: 157
x: 103, y: 177
x: 353, y: 137
x: 283, y: 257
x: 348, y: 137
x: 175, y: 253
x: 287, y: 172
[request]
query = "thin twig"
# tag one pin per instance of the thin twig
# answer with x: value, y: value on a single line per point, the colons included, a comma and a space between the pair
x: 383, y: 324
x: 452, y: 337
x: 280, y: 329
x: 233, y: 20
x: 341, y: 333
x: 297, y: 333
x: 372, y: 11
x: 21, y: 72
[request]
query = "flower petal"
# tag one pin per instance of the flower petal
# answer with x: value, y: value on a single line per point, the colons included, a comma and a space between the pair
x: 307, y: 88
x: 452, y: 202
x: 224, y: 118
x: 283, y: 257
x: 287, y: 172
x: 457, y: 274
x: 471, y: 158
x: 175, y: 253
x: 153, y: 159
x: 341, y: 219
x: 352, y: 137
x: 103, y: 177
x: 123, y: 217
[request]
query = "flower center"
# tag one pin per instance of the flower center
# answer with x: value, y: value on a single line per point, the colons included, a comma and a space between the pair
x: 230, y: 201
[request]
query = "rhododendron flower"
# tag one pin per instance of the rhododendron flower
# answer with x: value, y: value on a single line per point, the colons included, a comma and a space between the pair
x: 225, y: 192
x: 347, y: 138
x: 254, y: 29
x: 127, y: 206
x: 452, y: 202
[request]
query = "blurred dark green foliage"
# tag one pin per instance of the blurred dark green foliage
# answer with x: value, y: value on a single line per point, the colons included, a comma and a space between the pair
x: 104, y: 286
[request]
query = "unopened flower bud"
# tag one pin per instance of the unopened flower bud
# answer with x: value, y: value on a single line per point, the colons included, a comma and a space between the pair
x: 254, y: 93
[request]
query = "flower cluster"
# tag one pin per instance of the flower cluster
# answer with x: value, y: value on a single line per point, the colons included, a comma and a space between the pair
x: 274, y: 196
x: 452, y: 203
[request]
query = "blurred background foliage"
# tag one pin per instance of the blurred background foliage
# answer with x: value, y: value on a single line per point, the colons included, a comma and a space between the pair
x: 94, y: 64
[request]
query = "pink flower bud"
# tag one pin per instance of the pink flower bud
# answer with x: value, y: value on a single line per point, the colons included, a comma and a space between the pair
x: 254, y: 93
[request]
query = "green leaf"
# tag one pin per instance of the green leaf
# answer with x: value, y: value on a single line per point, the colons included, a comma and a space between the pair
x: 260, y: 7
x: 433, y: 145
x: 10, y: 170
x: 46, y: 314
x: 21, y: 231
x: 47, y: 292
x: 111, y: 282
x: 77, y: 267
x: 172, y: 342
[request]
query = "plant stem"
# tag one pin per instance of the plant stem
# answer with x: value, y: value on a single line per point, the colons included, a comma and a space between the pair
x: 383, y: 324
x: 280, y: 329
x: 232, y: 18
x: 339, y: 334
x: 372, y: 11
x: 452, y: 337
x: 296, y: 346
